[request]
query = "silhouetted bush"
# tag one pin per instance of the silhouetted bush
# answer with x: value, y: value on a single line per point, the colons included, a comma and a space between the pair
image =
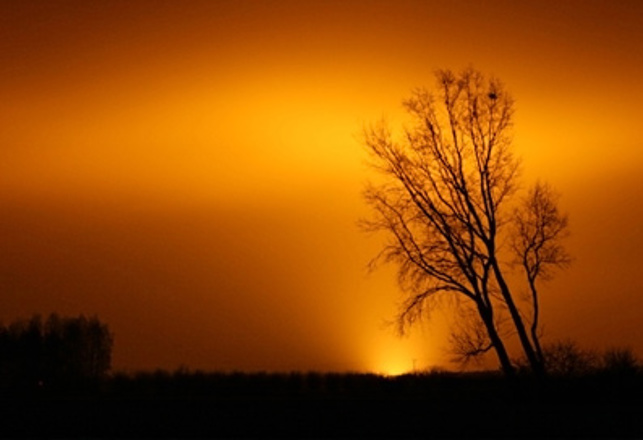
x: 566, y: 358
x: 618, y: 360
x: 60, y: 350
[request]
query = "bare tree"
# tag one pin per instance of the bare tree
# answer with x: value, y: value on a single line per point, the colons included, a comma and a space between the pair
x: 443, y: 200
x: 536, y: 241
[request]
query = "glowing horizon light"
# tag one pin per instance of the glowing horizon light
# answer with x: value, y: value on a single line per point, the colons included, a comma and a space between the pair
x: 394, y: 370
x: 396, y: 359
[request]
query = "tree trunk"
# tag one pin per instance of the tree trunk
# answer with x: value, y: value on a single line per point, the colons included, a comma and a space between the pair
x: 503, y: 357
x: 534, y: 324
x: 536, y: 366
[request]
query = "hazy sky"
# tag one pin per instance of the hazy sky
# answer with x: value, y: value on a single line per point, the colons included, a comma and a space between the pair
x: 191, y: 171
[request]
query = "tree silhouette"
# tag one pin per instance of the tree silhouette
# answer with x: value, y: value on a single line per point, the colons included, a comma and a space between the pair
x: 536, y: 242
x: 445, y: 203
x: 60, y: 351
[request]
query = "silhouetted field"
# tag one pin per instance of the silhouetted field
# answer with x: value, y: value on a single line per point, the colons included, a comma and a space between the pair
x: 436, y: 405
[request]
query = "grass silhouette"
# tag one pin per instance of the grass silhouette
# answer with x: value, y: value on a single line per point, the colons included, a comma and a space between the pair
x: 202, y: 404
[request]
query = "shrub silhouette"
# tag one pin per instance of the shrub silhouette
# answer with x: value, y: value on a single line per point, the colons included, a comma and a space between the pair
x: 60, y: 350
x: 620, y: 361
x: 566, y: 358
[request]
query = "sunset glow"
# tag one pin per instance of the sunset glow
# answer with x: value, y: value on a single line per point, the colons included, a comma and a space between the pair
x: 192, y: 172
x: 397, y: 357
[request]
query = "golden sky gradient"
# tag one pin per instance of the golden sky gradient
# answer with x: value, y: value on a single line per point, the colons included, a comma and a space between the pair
x: 191, y: 171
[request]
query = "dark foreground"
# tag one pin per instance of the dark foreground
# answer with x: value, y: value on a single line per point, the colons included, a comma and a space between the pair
x: 443, y: 405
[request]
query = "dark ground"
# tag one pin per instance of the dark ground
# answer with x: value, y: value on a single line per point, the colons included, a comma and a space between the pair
x: 183, y: 405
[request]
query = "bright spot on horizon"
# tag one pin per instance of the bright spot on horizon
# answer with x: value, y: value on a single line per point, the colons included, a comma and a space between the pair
x: 392, y: 359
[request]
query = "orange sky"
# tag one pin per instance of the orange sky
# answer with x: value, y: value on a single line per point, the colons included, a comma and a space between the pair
x: 190, y: 171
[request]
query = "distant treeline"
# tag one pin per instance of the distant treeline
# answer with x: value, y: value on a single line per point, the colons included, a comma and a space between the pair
x: 55, y: 381
x: 55, y: 352
x: 441, y: 386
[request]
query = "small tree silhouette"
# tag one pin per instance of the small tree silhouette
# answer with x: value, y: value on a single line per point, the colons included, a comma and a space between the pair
x: 539, y: 228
